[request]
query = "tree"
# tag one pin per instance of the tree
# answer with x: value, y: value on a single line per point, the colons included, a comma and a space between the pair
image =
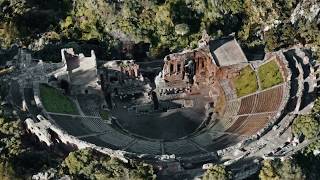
x: 277, y: 170
x: 6, y: 171
x: 8, y: 33
x: 311, y: 148
x: 217, y: 172
x: 182, y: 29
x: 316, y: 107
x: 12, y: 130
x: 306, y: 125
x: 89, y: 164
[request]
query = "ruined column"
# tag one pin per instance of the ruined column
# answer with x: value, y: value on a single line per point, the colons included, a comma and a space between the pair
x: 165, y: 68
x: 175, y: 67
x: 136, y: 74
x: 171, y: 68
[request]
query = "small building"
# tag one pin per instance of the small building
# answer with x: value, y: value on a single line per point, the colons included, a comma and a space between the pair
x: 227, y: 52
x: 79, y: 71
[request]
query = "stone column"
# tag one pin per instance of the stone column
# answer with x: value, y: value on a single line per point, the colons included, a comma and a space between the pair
x: 136, y: 74
x: 170, y: 65
x: 175, y: 68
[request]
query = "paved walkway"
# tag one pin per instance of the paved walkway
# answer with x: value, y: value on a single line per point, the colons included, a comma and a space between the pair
x: 73, y: 115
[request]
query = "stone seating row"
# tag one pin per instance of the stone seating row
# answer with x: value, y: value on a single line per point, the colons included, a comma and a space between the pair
x: 228, y: 90
x: 71, y: 125
x: 247, y: 104
x: 90, y: 126
x: 89, y: 105
x: 232, y: 108
x: 249, y: 125
x: 237, y: 124
x: 269, y: 100
x: 94, y: 124
x: 179, y: 147
x: 146, y: 147
x: 255, y: 123
x: 115, y: 138
x: 209, y: 136
x: 265, y: 101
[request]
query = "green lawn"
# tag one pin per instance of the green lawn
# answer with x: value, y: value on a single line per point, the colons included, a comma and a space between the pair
x: 54, y: 101
x: 104, y: 115
x: 269, y: 75
x: 246, y: 82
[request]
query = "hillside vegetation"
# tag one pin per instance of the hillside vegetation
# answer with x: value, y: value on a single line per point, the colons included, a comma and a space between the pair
x: 168, y: 25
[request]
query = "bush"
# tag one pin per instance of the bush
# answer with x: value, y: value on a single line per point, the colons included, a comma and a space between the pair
x: 217, y: 172
x: 182, y: 29
x: 275, y: 169
x: 306, y: 125
x: 89, y: 164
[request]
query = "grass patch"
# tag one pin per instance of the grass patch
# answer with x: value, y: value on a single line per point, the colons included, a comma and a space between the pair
x: 104, y: 115
x: 56, y: 102
x: 269, y: 75
x: 246, y: 82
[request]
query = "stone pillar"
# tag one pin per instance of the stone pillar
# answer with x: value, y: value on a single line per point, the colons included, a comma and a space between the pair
x: 197, y: 66
x: 165, y: 68
x: 175, y: 68
x: 168, y: 68
x: 136, y: 74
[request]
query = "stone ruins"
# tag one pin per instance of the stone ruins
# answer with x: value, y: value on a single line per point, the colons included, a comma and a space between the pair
x: 174, y: 113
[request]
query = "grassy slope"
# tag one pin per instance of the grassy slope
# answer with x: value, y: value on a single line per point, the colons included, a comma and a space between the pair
x: 270, y: 75
x: 246, y: 83
x: 55, y: 101
x: 104, y: 115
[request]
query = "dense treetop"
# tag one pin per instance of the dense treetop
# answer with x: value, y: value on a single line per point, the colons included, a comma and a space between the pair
x: 277, y: 169
x: 88, y: 164
x: 217, y: 172
x: 165, y: 24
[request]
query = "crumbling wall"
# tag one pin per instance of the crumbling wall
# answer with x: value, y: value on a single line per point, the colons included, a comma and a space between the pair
x: 194, y: 66
x: 41, y: 129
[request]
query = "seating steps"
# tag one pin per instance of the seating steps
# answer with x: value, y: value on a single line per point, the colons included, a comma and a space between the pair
x: 247, y: 104
x: 145, y: 147
x: 232, y: 108
x: 228, y: 90
x: 116, y: 138
x: 237, y: 124
x: 71, y: 125
x: 223, y: 124
x: 179, y: 147
x: 227, y: 123
x: 89, y: 105
x: 89, y: 126
x: 223, y: 142
x: 206, y: 138
x: 269, y: 100
x: 94, y: 124
x: 254, y: 123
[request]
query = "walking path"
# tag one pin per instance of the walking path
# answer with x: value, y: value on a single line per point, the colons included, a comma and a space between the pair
x: 73, y: 115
